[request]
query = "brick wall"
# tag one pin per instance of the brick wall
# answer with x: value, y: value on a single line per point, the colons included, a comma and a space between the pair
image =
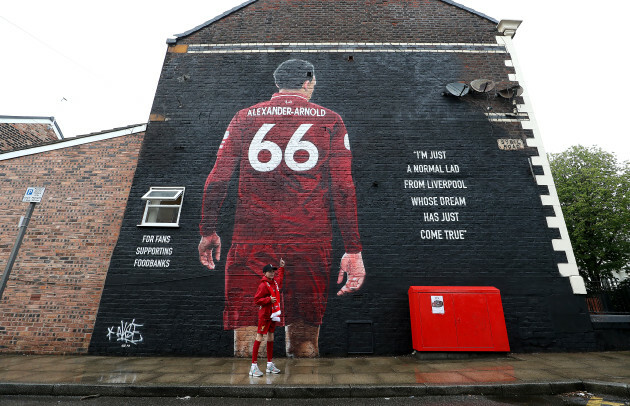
x: 23, y: 135
x: 346, y: 21
x: 53, y: 293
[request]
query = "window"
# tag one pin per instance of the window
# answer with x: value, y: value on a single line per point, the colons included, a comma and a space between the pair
x: 163, y: 207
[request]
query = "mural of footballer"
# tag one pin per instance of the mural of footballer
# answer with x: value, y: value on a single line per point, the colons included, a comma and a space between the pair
x: 293, y: 159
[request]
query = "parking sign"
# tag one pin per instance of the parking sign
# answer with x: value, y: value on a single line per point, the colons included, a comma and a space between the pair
x: 33, y: 194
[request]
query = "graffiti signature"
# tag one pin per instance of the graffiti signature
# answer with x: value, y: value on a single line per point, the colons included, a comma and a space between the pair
x: 126, y: 332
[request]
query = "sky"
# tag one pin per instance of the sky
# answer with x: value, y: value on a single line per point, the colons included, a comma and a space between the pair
x: 95, y: 66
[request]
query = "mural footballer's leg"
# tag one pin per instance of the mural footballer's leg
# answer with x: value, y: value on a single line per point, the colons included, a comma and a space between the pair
x: 302, y: 340
x: 243, y: 341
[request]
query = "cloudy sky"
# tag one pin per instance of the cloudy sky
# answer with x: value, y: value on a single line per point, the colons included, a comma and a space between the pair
x: 96, y: 67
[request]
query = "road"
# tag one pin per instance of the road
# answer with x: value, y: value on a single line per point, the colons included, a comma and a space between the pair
x: 574, y: 399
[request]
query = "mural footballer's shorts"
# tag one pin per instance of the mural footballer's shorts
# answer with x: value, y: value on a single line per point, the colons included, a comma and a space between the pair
x: 304, y: 289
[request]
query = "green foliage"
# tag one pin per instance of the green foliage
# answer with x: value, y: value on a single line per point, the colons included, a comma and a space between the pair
x: 594, y: 192
x: 619, y: 298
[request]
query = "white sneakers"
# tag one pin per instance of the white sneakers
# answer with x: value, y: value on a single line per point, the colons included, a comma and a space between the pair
x: 256, y: 372
x: 271, y: 368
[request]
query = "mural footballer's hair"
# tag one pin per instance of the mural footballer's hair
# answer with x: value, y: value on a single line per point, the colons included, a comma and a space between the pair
x: 292, y: 73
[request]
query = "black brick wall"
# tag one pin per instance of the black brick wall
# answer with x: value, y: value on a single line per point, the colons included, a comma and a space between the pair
x: 392, y: 105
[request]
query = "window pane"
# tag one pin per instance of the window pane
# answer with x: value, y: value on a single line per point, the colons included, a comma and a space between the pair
x: 167, y: 215
x: 162, y: 215
x: 162, y: 194
x: 152, y: 215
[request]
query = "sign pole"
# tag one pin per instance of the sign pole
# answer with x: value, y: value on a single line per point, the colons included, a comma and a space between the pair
x: 16, y: 248
x: 33, y: 196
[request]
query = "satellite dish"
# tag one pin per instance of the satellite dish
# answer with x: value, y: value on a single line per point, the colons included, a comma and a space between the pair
x: 506, y: 93
x: 458, y: 89
x: 510, y: 92
x: 482, y: 85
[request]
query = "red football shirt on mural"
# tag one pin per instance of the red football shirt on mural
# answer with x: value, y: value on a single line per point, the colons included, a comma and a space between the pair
x: 293, y: 158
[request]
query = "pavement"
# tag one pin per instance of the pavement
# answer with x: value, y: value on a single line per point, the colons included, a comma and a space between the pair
x: 370, y: 376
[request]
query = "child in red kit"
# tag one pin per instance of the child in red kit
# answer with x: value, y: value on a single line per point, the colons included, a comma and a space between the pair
x: 268, y: 298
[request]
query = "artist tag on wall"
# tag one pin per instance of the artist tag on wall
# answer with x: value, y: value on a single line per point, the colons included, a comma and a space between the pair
x: 437, y: 304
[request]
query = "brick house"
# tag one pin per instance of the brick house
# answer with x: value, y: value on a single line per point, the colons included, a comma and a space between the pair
x: 50, y: 301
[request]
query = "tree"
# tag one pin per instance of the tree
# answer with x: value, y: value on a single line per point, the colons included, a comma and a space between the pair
x: 594, y: 192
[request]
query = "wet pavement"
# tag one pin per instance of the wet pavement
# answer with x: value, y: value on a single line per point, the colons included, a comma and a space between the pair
x: 538, y: 373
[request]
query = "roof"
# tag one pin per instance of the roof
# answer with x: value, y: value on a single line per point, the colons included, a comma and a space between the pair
x: 470, y: 10
x: 248, y: 2
x: 18, y: 132
x: 71, y: 142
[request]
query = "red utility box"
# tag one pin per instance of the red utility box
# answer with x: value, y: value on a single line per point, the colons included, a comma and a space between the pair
x: 457, y: 318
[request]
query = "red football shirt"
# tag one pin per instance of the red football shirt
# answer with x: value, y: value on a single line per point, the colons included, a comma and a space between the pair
x: 293, y: 159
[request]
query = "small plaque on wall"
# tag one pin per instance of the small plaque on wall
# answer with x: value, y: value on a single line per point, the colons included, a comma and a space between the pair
x: 510, y: 144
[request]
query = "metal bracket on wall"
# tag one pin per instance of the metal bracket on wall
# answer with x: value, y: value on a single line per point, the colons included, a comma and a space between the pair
x: 531, y: 167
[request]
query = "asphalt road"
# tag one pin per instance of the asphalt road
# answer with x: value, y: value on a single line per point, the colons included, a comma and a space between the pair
x: 574, y: 399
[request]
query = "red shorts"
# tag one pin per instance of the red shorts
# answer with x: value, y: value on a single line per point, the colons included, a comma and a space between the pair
x: 266, y: 326
x: 304, y: 288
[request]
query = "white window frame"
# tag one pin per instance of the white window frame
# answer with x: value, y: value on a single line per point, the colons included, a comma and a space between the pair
x: 152, y: 203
